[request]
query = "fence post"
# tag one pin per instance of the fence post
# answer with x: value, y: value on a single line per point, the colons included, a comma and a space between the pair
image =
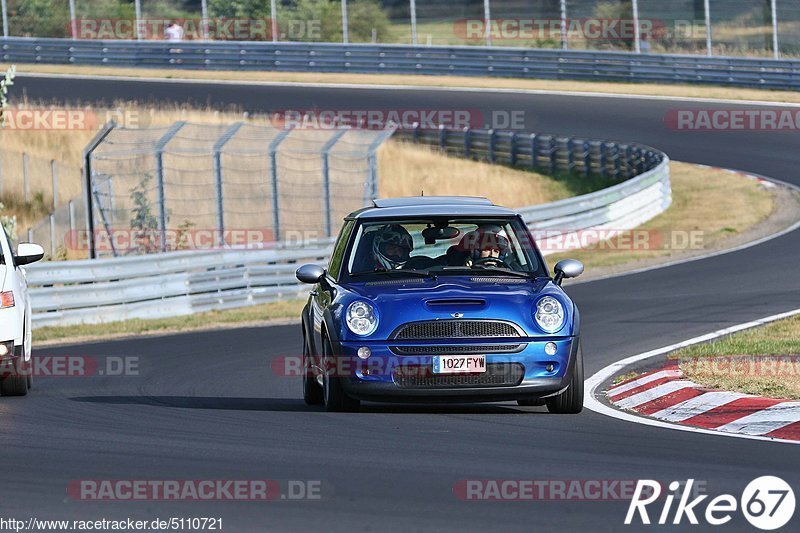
x: 372, y: 182
x: 87, y: 184
x: 162, y: 208
x: 52, y: 218
x: 707, y: 10
x: 534, y: 151
x: 490, y: 152
x: 71, y: 212
x: 563, y: 6
x: 415, y: 132
x: 326, y: 178
x: 345, y: 25
x: 413, y: 8
x: 273, y: 159
x: 218, y: 180
x: 637, y: 32
x: 25, y: 183
x: 442, y: 138
x: 273, y: 13
x: 487, y: 17
x: 55, y: 182
x: 776, y: 51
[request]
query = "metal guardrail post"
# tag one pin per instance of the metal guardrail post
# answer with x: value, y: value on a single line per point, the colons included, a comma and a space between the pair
x: 326, y: 178
x: 87, y: 184
x: 52, y: 235
x: 54, y: 174
x: 218, y: 180
x: 442, y: 138
x: 159, y: 147
x: 71, y: 211
x: 534, y: 140
x: 25, y: 183
x: 415, y: 132
x: 491, y: 148
x: 273, y: 159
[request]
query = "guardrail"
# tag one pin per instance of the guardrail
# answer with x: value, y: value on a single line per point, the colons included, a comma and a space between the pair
x: 181, y: 283
x: 405, y: 59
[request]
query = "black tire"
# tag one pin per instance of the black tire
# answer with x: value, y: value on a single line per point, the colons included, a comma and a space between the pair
x: 570, y: 402
x: 535, y: 402
x: 312, y: 392
x: 15, y: 381
x: 336, y: 400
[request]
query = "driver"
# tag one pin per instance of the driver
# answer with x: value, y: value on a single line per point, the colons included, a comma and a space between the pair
x: 391, y: 247
x: 484, y: 243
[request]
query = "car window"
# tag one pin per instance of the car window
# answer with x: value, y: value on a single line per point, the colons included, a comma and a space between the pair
x: 443, y: 245
x: 335, y: 264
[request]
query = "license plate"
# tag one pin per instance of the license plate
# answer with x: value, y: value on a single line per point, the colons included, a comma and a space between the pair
x: 459, y: 364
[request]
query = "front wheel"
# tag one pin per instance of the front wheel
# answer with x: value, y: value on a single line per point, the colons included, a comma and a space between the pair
x: 571, y: 400
x: 336, y: 399
x: 312, y: 392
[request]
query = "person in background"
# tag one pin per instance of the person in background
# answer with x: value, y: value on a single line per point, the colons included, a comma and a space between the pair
x: 174, y: 32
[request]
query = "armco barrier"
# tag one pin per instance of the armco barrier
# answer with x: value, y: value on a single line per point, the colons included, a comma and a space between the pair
x: 404, y: 59
x: 181, y: 283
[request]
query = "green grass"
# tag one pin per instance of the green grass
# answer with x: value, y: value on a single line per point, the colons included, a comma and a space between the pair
x: 749, y: 361
x: 289, y: 309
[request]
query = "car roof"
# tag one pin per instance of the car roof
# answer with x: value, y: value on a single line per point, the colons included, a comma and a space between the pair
x: 426, y: 206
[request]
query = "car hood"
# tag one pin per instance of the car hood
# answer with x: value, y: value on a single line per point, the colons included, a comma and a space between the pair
x: 510, y: 299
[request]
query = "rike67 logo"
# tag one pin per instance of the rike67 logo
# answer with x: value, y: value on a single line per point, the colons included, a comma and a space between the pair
x: 767, y: 503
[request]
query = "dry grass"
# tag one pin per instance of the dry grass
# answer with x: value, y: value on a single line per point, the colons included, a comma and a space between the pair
x: 651, y: 89
x: 408, y: 170
x: 763, y: 361
x: 708, y: 206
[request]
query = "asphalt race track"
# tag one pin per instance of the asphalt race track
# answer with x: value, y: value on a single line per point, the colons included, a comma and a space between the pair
x: 209, y: 406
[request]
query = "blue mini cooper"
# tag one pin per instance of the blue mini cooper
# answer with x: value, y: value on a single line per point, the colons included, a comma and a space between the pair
x: 440, y: 299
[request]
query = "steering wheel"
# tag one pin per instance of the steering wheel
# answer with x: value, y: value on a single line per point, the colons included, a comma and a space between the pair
x: 419, y: 262
x: 492, y: 261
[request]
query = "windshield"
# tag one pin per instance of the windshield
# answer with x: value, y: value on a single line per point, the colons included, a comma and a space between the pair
x: 442, y: 246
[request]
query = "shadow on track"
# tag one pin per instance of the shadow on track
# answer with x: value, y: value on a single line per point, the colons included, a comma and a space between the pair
x: 297, y: 405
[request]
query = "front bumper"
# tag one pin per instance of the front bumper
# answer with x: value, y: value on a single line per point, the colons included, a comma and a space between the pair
x: 376, y: 378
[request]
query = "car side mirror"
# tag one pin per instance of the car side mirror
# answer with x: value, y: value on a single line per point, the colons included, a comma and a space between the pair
x: 567, y: 268
x: 28, y: 253
x: 310, y: 273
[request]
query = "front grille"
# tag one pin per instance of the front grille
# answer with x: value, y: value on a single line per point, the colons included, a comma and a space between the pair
x: 456, y: 329
x: 457, y: 350
x: 422, y: 377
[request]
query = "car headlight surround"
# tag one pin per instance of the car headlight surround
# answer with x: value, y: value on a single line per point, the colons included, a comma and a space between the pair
x: 549, y: 314
x: 361, y: 318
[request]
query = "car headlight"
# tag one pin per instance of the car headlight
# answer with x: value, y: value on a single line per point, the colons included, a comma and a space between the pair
x: 361, y: 318
x: 549, y: 314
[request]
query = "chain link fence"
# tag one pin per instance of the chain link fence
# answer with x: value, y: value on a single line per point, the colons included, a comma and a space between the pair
x: 713, y: 27
x: 190, y: 186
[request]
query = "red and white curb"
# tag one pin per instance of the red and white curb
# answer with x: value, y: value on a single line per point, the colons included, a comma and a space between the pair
x: 685, y: 406
x: 665, y: 395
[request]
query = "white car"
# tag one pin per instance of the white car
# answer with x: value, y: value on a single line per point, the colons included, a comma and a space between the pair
x: 15, y: 316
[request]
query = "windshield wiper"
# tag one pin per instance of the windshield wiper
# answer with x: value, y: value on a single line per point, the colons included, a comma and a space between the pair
x: 401, y: 272
x: 482, y: 268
